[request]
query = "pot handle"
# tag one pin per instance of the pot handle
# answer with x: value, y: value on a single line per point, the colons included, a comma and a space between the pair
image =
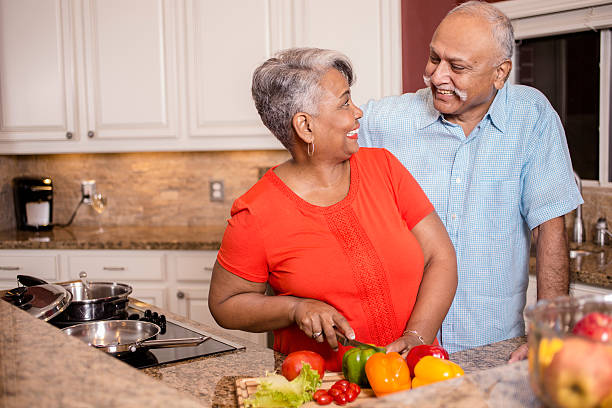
x: 167, y: 343
x: 26, y: 280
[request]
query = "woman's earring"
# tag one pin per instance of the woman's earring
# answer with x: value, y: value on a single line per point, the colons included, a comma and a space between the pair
x: 310, y: 153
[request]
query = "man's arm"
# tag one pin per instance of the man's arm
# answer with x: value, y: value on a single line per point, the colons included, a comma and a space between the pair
x: 552, y: 259
x: 552, y: 266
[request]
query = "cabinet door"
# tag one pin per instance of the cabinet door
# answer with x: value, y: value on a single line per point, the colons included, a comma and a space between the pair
x: 224, y: 45
x: 37, y: 72
x: 193, y: 304
x: 368, y: 32
x: 39, y: 264
x: 130, y: 69
x: 578, y: 289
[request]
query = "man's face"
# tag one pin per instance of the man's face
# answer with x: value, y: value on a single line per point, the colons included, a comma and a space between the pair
x: 463, y: 67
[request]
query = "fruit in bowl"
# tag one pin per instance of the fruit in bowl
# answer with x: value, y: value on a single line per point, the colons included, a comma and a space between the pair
x: 570, y: 351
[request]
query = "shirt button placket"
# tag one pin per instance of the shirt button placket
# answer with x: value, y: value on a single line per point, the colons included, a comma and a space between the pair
x: 456, y: 196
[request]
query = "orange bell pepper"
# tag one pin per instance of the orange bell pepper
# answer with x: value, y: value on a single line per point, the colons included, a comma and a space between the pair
x: 387, y: 373
x: 431, y: 369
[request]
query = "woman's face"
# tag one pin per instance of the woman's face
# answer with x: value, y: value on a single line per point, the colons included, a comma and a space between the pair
x: 335, y: 126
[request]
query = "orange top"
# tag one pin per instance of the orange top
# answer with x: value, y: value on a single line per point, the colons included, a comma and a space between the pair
x: 357, y: 255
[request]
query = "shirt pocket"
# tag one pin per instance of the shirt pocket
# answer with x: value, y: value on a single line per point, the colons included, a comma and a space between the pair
x: 497, y: 205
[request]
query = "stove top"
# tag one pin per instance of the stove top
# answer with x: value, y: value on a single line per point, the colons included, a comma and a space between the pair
x: 173, y: 330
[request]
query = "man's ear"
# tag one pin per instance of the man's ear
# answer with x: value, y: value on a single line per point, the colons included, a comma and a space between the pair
x: 302, y: 126
x: 502, y: 72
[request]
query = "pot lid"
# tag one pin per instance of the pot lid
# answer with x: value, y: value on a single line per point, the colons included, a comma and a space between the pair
x: 41, y: 301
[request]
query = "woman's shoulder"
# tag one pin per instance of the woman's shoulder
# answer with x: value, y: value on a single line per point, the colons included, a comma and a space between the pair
x: 257, y: 197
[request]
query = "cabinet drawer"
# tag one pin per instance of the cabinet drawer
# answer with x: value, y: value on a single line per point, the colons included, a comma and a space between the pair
x: 43, y: 267
x: 196, y: 267
x: 117, y: 268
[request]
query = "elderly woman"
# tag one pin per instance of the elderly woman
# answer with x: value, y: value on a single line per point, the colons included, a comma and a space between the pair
x: 344, y: 236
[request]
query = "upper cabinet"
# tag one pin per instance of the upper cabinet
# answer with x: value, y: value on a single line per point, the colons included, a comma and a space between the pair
x: 169, y: 75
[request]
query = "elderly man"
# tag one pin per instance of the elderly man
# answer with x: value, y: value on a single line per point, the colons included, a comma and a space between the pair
x: 493, y: 159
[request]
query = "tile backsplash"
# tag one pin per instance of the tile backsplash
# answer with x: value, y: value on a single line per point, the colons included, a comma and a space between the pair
x: 172, y: 188
x: 160, y: 189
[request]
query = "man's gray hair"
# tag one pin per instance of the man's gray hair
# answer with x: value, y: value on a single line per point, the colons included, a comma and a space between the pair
x: 500, y: 24
x: 288, y: 83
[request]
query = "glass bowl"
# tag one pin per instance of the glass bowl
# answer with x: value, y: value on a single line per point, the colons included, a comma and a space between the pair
x: 566, y: 369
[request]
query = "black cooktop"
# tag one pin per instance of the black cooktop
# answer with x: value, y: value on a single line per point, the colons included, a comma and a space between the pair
x: 173, y: 330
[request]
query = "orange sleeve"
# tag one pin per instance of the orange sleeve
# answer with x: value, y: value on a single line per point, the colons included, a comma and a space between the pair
x: 412, y: 202
x: 242, y: 250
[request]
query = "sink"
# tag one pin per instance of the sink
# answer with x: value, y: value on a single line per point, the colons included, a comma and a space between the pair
x: 575, y: 253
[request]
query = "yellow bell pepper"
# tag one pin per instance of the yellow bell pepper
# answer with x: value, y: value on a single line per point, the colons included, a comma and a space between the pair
x: 387, y: 373
x: 431, y: 369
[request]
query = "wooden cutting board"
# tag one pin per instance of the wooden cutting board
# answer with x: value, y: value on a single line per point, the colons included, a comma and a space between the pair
x: 245, y: 388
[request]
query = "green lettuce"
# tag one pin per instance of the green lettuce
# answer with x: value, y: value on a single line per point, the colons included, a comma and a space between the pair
x: 274, y: 390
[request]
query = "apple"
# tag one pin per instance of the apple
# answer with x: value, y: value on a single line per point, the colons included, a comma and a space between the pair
x: 580, y: 374
x: 597, y: 326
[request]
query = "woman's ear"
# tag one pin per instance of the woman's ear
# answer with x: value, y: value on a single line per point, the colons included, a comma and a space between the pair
x: 302, y: 126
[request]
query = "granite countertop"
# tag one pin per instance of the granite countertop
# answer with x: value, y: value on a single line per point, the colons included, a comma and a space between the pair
x: 124, y: 237
x: 41, y: 366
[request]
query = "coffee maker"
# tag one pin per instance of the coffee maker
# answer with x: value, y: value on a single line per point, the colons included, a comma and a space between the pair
x: 33, y: 197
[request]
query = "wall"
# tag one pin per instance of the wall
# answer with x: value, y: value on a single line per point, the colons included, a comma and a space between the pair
x: 161, y: 189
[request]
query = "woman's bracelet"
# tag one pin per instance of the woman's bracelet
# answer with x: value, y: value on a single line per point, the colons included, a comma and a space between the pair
x: 415, y: 333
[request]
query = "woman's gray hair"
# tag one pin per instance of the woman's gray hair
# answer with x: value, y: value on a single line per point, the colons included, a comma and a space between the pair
x: 288, y: 83
x: 500, y: 24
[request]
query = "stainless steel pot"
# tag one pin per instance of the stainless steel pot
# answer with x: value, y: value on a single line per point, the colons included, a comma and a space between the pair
x: 89, y: 300
x: 95, y: 301
x: 119, y: 337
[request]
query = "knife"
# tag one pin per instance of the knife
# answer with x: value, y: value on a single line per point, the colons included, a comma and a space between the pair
x: 345, y: 341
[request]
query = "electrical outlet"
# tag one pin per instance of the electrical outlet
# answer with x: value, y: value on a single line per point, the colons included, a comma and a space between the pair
x: 217, y: 190
x: 88, y: 190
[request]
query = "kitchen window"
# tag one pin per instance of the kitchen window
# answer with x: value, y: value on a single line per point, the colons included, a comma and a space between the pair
x: 563, y: 48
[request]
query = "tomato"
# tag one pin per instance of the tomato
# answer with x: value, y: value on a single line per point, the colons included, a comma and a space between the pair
x: 351, y: 395
x: 293, y: 363
x: 318, y: 393
x: 355, y: 387
x: 342, y: 385
x: 334, y: 392
x: 340, y: 399
x: 324, y: 399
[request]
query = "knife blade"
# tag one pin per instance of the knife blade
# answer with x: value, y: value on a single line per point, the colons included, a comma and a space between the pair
x: 345, y: 341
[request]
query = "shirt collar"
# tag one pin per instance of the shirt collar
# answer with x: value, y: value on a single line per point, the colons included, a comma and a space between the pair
x: 496, y: 112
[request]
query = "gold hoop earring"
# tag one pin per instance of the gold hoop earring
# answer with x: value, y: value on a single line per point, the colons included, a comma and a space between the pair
x: 310, y: 153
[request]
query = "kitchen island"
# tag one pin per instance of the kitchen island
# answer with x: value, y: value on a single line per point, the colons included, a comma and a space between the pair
x: 40, y: 366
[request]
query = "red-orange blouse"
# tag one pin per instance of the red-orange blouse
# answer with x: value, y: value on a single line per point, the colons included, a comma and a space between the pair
x: 358, y: 255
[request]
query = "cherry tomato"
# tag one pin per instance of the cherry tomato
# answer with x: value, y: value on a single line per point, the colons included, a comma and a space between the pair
x: 293, y: 363
x: 355, y: 387
x: 334, y: 392
x: 324, y: 399
x: 340, y: 399
x: 351, y: 395
x: 318, y: 393
x: 342, y: 385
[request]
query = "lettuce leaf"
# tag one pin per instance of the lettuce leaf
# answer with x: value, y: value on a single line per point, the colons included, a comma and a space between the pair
x: 274, y: 390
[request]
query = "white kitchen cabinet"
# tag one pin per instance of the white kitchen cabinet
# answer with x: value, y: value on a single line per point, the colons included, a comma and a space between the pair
x: 39, y: 264
x: 80, y: 76
x: 37, y: 73
x: 189, y: 292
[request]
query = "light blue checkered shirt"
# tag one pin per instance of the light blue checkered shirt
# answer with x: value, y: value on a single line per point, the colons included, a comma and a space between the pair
x: 510, y: 175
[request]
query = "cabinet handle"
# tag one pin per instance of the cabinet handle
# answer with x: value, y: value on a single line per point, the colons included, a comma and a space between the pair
x: 208, y: 268
x: 113, y: 268
x: 9, y: 268
x: 180, y: 294
x: 90, y: 134
x: 68, y: 135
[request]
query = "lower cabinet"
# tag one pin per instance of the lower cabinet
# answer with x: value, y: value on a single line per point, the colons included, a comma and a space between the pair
x: 177, y: 281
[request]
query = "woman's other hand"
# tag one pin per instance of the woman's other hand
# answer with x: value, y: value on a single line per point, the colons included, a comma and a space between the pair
x: 317, y: 320
x: 403, y: 344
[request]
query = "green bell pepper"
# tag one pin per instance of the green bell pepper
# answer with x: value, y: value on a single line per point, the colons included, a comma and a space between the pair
x: 353, y: 364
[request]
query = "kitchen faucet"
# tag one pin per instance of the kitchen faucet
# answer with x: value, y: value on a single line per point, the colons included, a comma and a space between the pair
x: 578, y: 232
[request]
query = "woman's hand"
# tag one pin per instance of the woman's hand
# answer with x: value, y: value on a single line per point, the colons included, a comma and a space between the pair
x: 317, y: 319
x: 403, y: 344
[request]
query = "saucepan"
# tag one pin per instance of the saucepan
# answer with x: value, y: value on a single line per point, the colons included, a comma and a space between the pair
x: 90, y: 300
x: 120, y: 337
